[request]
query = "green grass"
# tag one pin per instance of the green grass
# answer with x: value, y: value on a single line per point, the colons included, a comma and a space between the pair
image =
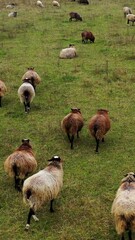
x: 102, y: 76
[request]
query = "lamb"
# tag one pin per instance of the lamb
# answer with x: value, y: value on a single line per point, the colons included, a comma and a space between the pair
x: 123, y: 207
x: 87, y: 36
x: 12, y: 14
x: 3, y: 90
x: 32, y: 74
x: 72, y: 124
x: 55, y: 4
x: 21, y: 163
x: 40, y: 4
x: 74, y: 15
x: 99, y: 125
x: 130, y: 18
x: 127, y: 10
x: 68, y: 53
x: 42, y: 187
x: 26, y: 94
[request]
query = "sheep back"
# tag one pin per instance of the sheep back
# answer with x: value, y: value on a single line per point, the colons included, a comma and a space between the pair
x: 26, y: 87
x: 87, y: 36
x: 68, y: 53
x: 72, y: 123
x: 31, y: 74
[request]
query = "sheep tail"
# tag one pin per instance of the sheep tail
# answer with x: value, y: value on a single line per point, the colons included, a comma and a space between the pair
x: 26, y: 95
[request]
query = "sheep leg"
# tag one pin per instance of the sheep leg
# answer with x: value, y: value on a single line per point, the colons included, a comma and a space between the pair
x: 130, y: 235
x: 17, y: 184
x: 97, y: 145
x: 0, y: 101
x: 122, y: 236
x: 31, y: 213
x: 25, y: 106
x: 69, y: 137
x: 103, y: 139
x: 72, y: 140
x: 51, y: 205
x: 77, y: 134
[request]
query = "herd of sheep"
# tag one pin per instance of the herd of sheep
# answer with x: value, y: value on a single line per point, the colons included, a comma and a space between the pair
x: 46, y: 184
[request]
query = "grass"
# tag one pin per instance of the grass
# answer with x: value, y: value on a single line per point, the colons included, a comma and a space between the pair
x: 102, y: 76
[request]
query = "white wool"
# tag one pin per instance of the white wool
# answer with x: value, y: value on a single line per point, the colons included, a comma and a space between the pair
x: 40, y: 4
x: 55, y: 3
x: 69, y: 52
x: 26, y: 86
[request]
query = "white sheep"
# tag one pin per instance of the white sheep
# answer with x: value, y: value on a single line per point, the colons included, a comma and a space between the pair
x: 127, y: 10
x: 123, y: 207
x: 20, y: 163
x: 26, y: 94
x: 12, y: 14
x: 42, y: 187
x: 3, y: 90
x: 69, y: 52
x: 32, y: 74
x: 11, y: 5
x: 55, y: 4
x: 40, y: 4
x: 130, y: 18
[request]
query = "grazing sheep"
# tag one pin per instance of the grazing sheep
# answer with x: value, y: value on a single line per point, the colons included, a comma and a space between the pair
x: 99, y: 125
x: 69, y: 52
x: 31, y: 74
x: 55, y: 4
x: 87, y: 36
x: 72, y: 124
x: 11, y: 5
x: 42, y: 187
x: 123, y: 207
x: 130, y: 18
x: 26, y: 94
x: 3, y: 90
x: 127, y: 10
x: 21, y: 163
x: 12, y: 14
x: 83, y: 2
x: 74, y: 15
x: 40, y: 4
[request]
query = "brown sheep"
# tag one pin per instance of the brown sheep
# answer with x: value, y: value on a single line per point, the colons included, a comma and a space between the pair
x: 87, y: 36
x: 33, y: 76
x: 123, y: 207
x: 72, y: 124
x: 3, y: 90
x: 20, y: 163
x: 99, y: 125
x: 74, y: 15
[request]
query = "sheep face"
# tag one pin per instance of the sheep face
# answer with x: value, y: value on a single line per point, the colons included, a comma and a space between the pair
x: 129, y: 177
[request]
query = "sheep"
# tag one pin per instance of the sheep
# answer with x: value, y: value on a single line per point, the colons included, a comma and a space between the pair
x: 12, y: 14
x: 68, y: 53
x: 55, y: 4
x: 11, y: 5
x: 21, y: 163
x: 127, y: 10
x: 26, y: 93
x: 40, y: 4
x: 74, y: 15
x: 42, y: 187
x: 130, y: 18
x: 3, y: 90
x: 99, y: 125
x: 32, y: 74
x: 83, y: 2
x: 72, y: 124
x: 87, y: 36
x: 123, y: 207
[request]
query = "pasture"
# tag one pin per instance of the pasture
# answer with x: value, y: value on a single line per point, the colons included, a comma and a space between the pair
x: 101, y: 76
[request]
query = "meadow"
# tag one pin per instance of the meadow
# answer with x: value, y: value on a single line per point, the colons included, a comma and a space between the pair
x: 101, y: 76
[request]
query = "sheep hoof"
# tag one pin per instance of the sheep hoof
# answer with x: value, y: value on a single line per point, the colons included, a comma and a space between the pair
x: 35, y: 218
x: 27, y: 227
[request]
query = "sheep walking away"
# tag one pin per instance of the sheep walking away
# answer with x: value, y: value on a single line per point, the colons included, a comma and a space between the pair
x: 123, y: 207
x: 43, y: 187
x: 99, y: 125
x: 33, y: 76
x: 21, y: 163
x: 72, y: 124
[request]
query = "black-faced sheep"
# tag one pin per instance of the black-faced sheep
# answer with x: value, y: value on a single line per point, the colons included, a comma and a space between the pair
x: 33, y: 76
x: 130, y: 18
x: 12, y: 14
x: 21, y: 163
x: 87, y: 36
x: 126, y: 10
x: 43, y: 187
x: 99, y: 125
x: 26, y: 94
x: 72, y: 124
x: 68, y: 53
x: 83, y: 2
x: 3, y: 90
x: 74, y: 15
x: 123, y: 207
x: 40, y: 4
x: 11, y: 5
